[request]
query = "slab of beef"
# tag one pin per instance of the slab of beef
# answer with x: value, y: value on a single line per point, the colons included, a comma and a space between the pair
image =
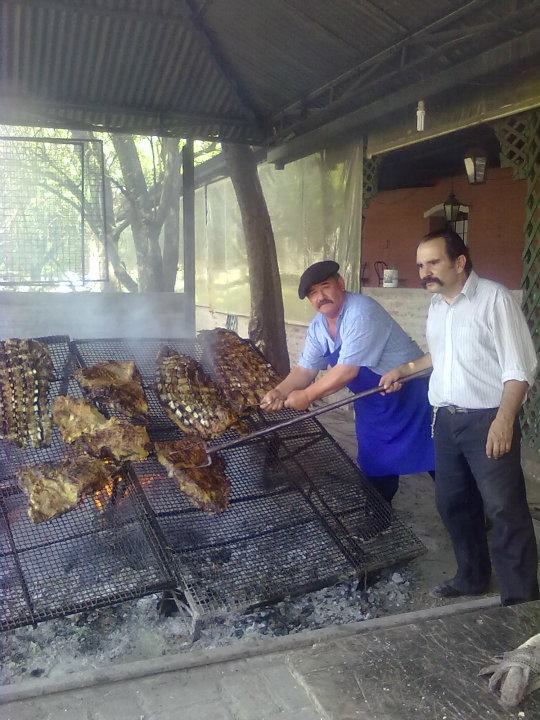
x: 241, y: 371
x: 118, y: 385
x: 189, y: 396
x: 190, y: 452
x: 26, y: 370
x: 52, y: 489
x: 76, y: 417
x: 207, y: 488
x: 81, y: 423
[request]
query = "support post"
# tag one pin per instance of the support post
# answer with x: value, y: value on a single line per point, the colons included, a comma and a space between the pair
x: 188, y: 204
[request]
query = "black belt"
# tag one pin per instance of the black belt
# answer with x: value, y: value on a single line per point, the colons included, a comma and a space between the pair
x: 454, y: 409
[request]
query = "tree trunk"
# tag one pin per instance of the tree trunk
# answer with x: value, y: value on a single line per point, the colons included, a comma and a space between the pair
x: 100, y: 208
x: 140, y: 213
x: 267, y: 322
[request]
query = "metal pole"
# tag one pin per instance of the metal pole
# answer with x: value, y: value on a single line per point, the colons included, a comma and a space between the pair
x: 83, y: 218
x: 188, y: 203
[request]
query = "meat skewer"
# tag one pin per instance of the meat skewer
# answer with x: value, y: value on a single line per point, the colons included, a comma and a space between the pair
x: 190, y: 456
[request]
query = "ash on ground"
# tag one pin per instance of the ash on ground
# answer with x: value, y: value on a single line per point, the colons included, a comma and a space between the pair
x: 136, y: 631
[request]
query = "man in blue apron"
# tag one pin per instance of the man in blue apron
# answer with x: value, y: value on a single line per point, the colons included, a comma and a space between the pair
x: 360, y: 342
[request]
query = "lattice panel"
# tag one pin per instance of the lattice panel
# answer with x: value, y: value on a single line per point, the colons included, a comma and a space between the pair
x: 531, y: 267
x: 512, y: 135
x: 371, y: 178
x: 519, y: 137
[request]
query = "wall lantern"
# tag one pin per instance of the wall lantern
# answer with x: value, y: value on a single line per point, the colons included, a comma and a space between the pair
x: 451, y: 207
x: 475, y: 166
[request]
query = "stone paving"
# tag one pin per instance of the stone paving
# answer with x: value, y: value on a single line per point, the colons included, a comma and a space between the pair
x: 261, y: 688
x: 376, y: 670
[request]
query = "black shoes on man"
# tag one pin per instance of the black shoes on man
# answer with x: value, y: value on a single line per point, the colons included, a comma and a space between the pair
x: 447, y: 590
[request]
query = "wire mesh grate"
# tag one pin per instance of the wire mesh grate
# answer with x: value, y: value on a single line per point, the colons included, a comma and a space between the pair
x: 92, y: 556
x: 104, y: 551
x: 52, y: 226
x: 300, y: 517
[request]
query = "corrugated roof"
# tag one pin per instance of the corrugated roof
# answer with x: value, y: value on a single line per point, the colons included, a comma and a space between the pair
x: 238, y: 70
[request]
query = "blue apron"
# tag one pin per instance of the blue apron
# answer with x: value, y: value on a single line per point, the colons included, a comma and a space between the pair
x: 393, y: 431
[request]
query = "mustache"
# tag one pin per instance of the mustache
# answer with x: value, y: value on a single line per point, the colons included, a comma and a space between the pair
x: 430, y: 279
x: 323, y: 302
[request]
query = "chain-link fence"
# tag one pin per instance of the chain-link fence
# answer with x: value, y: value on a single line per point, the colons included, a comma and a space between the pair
x: 52, y: 212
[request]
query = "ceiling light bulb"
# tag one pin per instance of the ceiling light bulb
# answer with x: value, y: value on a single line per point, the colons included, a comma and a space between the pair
x: 420, y: 115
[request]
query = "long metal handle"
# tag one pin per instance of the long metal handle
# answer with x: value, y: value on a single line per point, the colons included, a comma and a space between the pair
x: 313, y: 413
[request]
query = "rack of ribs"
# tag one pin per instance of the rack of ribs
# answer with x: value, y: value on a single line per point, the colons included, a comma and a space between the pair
x: 241, y: 371
x: 189, y: 396
x: 207, y: 488
x: 26, y: 370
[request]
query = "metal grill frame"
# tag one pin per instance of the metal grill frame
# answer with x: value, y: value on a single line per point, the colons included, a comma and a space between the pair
x: 352, y: 555
x: 287, y: 530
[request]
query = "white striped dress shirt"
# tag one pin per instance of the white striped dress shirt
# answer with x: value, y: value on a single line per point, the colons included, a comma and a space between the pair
x: 477, y: 343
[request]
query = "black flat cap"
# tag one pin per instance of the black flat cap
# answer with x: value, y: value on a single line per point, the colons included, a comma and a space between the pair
x: 316, y: 273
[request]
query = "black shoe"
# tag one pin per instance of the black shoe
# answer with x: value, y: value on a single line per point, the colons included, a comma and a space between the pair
x: 446, y: 590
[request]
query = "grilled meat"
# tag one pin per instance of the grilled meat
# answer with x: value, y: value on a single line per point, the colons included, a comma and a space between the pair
x: 207, y: 488
x: 52, y: 489
x: 241, y: 371
x: 119, y: 439
x: 190, y: 452
x: 26, y: 370
x: 118, y: 385
x: 76, y: 417
x: 81, y: 422
x: 189, y: 396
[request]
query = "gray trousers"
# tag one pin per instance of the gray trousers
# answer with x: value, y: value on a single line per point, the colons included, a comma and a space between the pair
x: 469, y: 484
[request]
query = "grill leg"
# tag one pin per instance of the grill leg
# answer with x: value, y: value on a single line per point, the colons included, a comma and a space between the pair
x: 173, y: 602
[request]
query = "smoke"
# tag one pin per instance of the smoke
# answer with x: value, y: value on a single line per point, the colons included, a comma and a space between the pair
x: 95, y: 315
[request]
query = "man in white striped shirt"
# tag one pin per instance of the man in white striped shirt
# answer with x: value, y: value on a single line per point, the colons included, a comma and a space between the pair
x: 483, y: 363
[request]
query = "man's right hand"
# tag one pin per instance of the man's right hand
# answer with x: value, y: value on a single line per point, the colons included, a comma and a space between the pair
x: 273, y: 401
x: 390, y: 381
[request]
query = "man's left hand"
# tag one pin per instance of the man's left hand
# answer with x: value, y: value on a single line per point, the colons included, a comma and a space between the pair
x: 499, y: 439
x: 298, y: 400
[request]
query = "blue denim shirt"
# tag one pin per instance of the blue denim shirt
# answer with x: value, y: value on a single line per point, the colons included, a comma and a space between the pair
x: 367, y: 336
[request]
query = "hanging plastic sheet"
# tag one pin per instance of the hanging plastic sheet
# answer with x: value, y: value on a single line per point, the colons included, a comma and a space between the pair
x: 315, y: 206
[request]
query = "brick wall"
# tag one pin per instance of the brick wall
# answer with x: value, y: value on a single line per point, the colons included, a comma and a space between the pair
x: 394, y: 224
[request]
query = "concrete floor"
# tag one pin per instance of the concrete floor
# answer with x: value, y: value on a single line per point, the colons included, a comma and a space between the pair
x: 415, y: 505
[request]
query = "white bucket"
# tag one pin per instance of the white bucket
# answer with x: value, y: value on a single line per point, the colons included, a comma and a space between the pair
x: 390, y: 278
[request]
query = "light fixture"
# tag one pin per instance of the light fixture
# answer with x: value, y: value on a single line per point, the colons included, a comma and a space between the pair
x: 475, y: 166
x: 420, y: 116
x: 451, y: 208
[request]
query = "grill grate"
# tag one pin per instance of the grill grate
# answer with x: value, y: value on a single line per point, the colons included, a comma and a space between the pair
x: 105, y: 551
x: 301, y: 517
